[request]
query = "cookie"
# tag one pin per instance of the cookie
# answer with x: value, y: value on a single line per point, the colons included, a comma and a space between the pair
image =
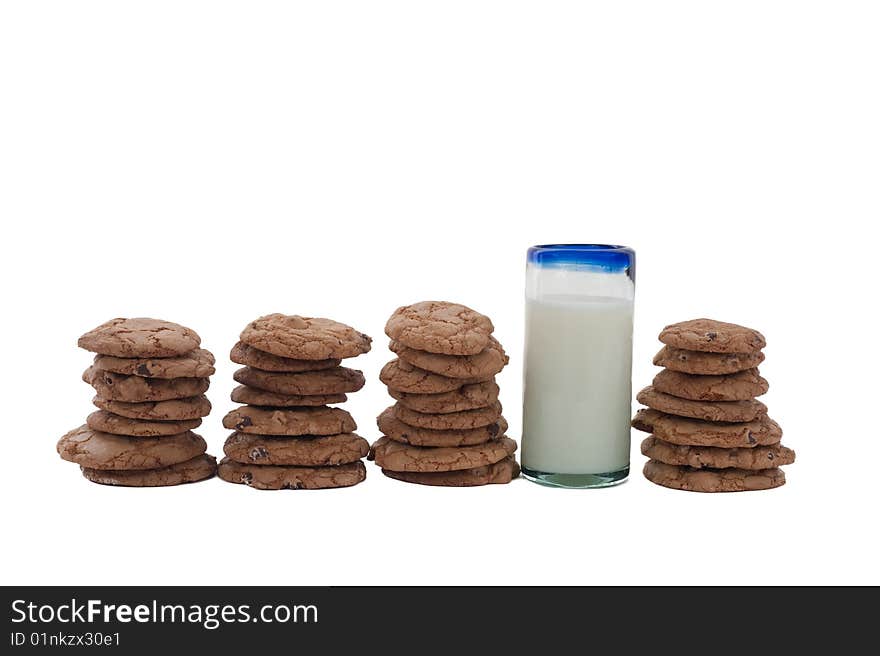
x: 392, y: 427
x: 763, y: 431
x: 740, y: 386
x: 176, y: 410
x: 464, y: 420
x: 497, y: 473
x: 304, y: 338
x: 706, y: 364
x: 270, y: 477
x: 140, y: 338
x: 107, y: 422
x: 254, y: 396
x: 706, y: 410
x: 199, y: 468
x: 300, y: 451
x: 290, y: 421
x: 396, y: 456
x: 252, y: 357
x: 486, y: 363
x: 328, y: 381
x: 97, y: 450
x: 195, y: 364
x: 401, y: 376
x: 136, y: 389
x: 440, y: 327
x: 467, y: 397
x: 712, y: 337
x: 712, y: 480
x: 701, y: 457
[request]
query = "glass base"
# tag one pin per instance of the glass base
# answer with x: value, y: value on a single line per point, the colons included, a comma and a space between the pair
x: 577, y: 481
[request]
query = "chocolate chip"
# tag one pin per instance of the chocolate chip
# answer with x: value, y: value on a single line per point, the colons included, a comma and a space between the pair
x: 244, y: 423
x: 752, y: 439
x: 711, y: 336
x: 143, y: 370
x: 246, y: 478
x: 258, y: 452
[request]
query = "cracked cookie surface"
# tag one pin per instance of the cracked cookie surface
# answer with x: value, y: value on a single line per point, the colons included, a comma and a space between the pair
x: 497, y: 473
x: 196, y: 469
x: 395, y: 456
x: 195, y: 364
x: 487, y: 362
x: 338, y: 380
x: 290, y: 421
x: 137, y: 389
x: 440, y: 327
x: 466, y: 397
x: 107, y: 422
x: 712, y: 480
x: 701, y: 457
x: 247, y: 355
x: 300, y: 451
x: 706, y: 364
x: 729, y: 411
x: 740, y: 386
x: 274, y: 477
x: 398, y: 431
x: 140, y: 338
x: 97, y: 450
x: 713, y: 337
x: 176, y: 410
x: 304, y: 338
x: 762, y: 431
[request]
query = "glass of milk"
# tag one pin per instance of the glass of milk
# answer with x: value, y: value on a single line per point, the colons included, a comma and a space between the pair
x: 578, y: 364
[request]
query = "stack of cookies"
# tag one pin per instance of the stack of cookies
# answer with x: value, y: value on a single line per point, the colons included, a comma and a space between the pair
x: 287, y: 437
x: 150, y: 377
x: 709, y: 431
x: 446, y: 428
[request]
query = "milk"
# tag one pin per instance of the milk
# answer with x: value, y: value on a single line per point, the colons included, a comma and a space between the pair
x: 577, y: 384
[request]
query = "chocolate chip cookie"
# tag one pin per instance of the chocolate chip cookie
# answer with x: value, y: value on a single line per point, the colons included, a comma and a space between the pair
x: 137, y: 389
x: 338, y: 380
x: 395, y: 456
x: 289, y: 421
x: 467, y: 397
x: 401, y: 376
x: 712, y: 337
x: 740, y: 386
x: 706, y: 364
x: 140, y: 338
x: 195, y: 364
x: 176, y: 410
x: 440, y: 327
x: 252, y: 357
x: 271, y: 477
x: 300, y: 451
x: 730, y: 411
x: 712, y: 480
x: 484, y: 364
x: 254, y: 396
x: 701, y: 457
x: 304, y: 338
x: 97, y: 450
x: 107, y: 422
x: 762, y: 431
x: 398, y: 431
x: 497, y: 473
x: 196, y: 469
x: 464, y: 420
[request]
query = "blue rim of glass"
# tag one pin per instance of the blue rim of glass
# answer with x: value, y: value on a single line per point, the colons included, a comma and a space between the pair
x: 604, y: 257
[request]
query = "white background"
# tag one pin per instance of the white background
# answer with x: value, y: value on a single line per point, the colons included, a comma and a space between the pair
x: 211, y: 162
